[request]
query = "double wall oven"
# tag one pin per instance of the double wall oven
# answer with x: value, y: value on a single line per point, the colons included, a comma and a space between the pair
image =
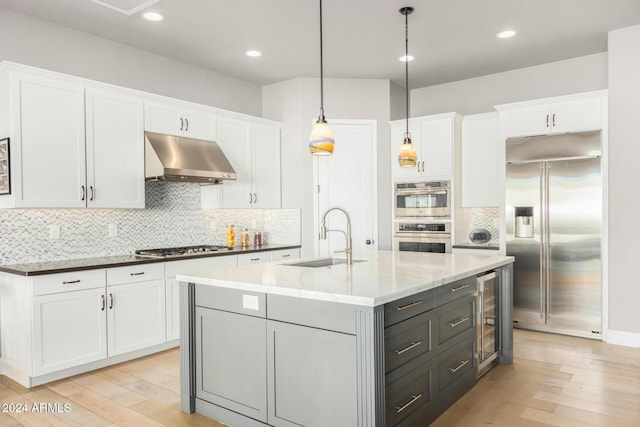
x: 422, y: 216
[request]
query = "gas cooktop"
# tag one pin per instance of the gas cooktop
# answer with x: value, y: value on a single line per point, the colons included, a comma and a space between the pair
x: 180, y: 251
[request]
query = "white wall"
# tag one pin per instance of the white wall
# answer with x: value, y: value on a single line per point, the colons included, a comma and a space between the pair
x: 481, y: 94
x: 296, y: 103
x: 31, y: 41
x: 624, y: 176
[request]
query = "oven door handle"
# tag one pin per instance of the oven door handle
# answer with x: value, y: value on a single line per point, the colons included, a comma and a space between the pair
x: 419, y: 192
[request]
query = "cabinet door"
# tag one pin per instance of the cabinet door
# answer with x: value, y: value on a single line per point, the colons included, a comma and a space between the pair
x: 311, y: 376
x: 230, y: 361
x: 135, y: 316
x: 234, y: 139
x: 49, y: 143
x: 285, y: 254
x: 437, y: 148
x: 199, y: 125
x: 527, y: 121
x: 162, y: 118
x: 481, y: 169
x: 69, y: 329
x: 254, y: 258
x: 576, y: 115
x: 265, y: 174
x: 397, y: 137
x: 115, y: 150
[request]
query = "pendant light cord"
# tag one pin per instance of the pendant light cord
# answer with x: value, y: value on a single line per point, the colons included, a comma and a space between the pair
x: 321, y: 118
x: 406, y: 67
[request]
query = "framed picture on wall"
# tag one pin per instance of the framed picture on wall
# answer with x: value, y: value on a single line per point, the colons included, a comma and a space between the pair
x: 5, y: 173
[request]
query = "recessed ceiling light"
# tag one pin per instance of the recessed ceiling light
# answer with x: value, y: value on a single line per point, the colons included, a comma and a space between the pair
x: 253, y: 53
x: 506, y: 34
x: 406, y: 58
x: 152, y: 16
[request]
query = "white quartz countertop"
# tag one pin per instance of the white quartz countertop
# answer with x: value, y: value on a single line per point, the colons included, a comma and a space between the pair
x: 385, y: 276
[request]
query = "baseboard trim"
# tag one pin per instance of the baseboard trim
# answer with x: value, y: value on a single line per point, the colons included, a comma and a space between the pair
x: 628, y: 339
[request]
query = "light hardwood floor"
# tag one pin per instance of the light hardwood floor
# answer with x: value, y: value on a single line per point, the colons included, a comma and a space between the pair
x: 555, y: 381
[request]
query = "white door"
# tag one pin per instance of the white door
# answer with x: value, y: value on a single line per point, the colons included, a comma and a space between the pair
x: 50, y: 145
x: 163, y: 118
x: 115, y: 150
x: 135, y: 316
x: 69, y: 329
x: 348, y: 179
x: 200, y: 125
x: 437, y: 148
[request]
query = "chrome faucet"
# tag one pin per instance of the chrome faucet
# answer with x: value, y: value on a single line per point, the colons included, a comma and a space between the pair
x: 347, y: 235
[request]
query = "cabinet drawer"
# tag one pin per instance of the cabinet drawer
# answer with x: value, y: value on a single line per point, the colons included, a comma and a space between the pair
x: 195, y: 265
x: 72, y: 281
x: 454, y: 290
x: 410, y: 397
x: 407, y: 307
x: 135, y: 273
x: 233, y: 300
x: 253, y: 258
x: 407, y: 340
x: 454, y: 364
x: 285, y: 254
x: 454, y: 319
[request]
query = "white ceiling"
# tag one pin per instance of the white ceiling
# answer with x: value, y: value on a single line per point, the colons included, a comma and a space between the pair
x: 451, y: 39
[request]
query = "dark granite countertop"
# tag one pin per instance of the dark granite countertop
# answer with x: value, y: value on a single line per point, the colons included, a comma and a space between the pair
x: 52, y: 267
x: 469, y: 245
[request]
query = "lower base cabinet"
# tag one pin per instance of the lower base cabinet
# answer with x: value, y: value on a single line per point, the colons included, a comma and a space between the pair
x: 311, y: 376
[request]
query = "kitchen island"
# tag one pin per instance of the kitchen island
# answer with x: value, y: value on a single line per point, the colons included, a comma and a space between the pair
x: 389, y: 340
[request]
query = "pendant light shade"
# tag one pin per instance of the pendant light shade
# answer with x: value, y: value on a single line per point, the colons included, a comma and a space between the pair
x: 321, y: 140
x: 407, y: 157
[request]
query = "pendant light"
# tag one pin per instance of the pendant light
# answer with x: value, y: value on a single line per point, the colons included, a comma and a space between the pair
x: 407, y: 157
x: 321, y: 139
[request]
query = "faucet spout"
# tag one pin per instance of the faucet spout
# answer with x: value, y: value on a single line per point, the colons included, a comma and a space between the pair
x: 323, y: 231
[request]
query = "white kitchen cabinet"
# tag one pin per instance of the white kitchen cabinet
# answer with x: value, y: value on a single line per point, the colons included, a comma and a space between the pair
x: 73, y: 145
x: 436, y: 139
x: 115, y: 152
x: 253, y: 148
x: 135, y: 316
x: 47, y: 143
x: 187, y: 266
x: 180, y: 119
x: 285, y: 254
x: 254, y: 258
x: 69, y: 329
x: 573, y: 113
x: 481, y: 168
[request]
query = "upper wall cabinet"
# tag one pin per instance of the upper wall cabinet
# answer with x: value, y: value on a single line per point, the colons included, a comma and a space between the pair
x: 480, y: 160
x: 435, y: 139
x: 180, y: 119
x: 574, y: 113
x: 253, y: 148
x: 71, y: 145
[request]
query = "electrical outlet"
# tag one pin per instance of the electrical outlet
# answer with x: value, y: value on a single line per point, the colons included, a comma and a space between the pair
x: 113, y: 230
x: 54, y: 231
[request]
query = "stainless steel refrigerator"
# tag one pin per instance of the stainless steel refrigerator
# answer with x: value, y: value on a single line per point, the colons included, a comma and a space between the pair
x: 553, y: 228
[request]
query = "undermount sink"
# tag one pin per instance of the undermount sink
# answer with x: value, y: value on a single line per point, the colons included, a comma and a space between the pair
x: 325, y: 262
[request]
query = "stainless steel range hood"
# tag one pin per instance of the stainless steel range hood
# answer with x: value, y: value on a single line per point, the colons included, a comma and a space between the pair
x: 179, y: 159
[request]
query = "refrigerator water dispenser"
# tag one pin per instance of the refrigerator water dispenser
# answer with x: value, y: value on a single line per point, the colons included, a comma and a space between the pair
x: 524, y: 222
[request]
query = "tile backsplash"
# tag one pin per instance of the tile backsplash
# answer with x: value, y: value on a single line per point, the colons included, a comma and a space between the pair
x: 172, y: 217
x: 469, y: 219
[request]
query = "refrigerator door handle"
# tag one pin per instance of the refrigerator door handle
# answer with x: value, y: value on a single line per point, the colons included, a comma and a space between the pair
x: 547, y: 242
x: 543, y: 224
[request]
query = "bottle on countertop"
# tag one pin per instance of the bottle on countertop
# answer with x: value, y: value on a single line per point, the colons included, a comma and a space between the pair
x: 231, y: 237
x: 257, y: 239
x: 244, y: 238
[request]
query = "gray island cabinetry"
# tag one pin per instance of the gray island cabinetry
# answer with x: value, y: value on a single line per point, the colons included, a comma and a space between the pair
x: 386, y: 342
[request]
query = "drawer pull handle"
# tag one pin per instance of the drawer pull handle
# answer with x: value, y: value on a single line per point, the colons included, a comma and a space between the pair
x: 459, y: 322
x: 413, y: 400
x: 461, y: 364
x: 411, y: 304
x: 459, y: 288
x: 255, y: 259
x: 286, y: 255
x: 137, y: 274
x: 69, y: 282
x: 410, y: 347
